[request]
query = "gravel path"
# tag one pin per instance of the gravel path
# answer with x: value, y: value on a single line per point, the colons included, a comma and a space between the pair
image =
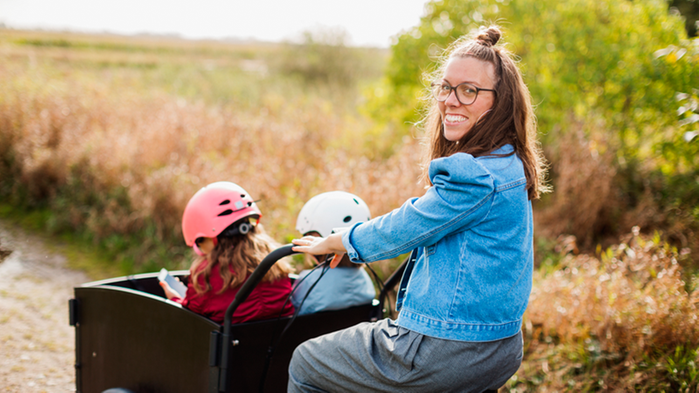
x: 36, y: 343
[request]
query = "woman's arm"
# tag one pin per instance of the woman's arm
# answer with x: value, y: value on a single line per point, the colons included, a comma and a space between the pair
x: 460, y: 197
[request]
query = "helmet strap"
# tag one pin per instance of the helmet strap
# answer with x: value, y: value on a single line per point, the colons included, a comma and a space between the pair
x: 197, y: 250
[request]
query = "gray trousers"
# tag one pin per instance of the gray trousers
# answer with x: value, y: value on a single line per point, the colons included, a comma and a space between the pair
x: 383, y: 357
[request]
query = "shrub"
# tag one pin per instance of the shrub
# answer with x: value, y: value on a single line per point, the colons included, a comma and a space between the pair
x: 624, y: 321
x: 604, y: 73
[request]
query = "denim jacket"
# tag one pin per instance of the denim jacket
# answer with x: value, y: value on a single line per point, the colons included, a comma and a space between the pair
x: 473, y: 232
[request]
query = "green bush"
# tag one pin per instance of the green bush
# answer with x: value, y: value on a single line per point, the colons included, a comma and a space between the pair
x: 608, y: 71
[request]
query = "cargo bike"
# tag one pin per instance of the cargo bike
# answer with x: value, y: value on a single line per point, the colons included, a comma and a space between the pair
x: 130, y: 338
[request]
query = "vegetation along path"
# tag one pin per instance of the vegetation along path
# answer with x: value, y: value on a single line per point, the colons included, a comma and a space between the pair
x: 36, y: 342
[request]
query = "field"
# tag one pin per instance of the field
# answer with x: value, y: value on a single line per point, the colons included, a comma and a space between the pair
x: 113, y: 135
x: 103, y: 139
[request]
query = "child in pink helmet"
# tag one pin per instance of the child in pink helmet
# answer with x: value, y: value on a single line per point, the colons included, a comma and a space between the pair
x: 221, y: 223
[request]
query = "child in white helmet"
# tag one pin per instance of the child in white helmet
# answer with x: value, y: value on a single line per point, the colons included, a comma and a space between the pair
x: 347, y: 285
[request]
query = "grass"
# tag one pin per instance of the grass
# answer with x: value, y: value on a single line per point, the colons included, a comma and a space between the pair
x: 112, y: 153
x: 80, y: 255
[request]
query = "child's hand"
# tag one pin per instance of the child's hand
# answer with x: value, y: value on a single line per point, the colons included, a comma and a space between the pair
x: 169, y: 292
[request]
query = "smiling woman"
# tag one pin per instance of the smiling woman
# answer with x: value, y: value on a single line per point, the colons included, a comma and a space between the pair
x: 467, y: 283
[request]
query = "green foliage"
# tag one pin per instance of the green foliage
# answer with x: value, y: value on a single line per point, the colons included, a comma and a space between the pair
x: 681, y: 367
x: 548, y: 253
x: 677, y: 367
x: 610, y: 70
x: 578, y: 57
x: 678, y: 146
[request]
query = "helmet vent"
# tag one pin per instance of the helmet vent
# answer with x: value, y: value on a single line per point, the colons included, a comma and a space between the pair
x: 355, y: 201
x: 225, y: 213
x: 227, y: 201
x: 347, y: 219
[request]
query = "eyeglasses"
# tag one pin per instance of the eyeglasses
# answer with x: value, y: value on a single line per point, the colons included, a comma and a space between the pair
x: 466, y: 93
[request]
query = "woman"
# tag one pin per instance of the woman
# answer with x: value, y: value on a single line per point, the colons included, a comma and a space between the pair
x: 461, y: 302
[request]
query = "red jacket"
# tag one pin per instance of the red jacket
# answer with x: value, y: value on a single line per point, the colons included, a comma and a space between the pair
x: 265, y: 301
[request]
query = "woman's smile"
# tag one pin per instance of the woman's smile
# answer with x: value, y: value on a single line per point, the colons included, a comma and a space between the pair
x: 453, y: 119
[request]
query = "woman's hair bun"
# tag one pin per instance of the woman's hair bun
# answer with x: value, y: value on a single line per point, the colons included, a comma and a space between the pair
x: 489, y: 36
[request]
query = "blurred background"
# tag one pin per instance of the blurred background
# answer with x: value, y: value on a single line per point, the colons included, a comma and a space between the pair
x: 366, y: 22
x: 113, y: 115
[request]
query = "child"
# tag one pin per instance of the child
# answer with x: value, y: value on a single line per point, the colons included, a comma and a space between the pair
x: 348, y: 284
x: 220, y: 223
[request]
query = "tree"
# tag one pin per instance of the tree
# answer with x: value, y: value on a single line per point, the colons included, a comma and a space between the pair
x: 591, y: 65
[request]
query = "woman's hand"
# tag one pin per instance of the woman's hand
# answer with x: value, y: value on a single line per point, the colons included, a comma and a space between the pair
x: 169, y: 292
x: 322, y: 245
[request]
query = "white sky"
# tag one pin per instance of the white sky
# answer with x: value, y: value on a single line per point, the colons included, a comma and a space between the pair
x: 368, y: 22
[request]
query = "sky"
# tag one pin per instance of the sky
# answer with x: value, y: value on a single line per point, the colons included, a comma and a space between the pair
x: 367, y: 22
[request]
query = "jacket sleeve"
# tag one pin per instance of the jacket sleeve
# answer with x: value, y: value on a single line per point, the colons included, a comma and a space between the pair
x: 192, y: 300
x: 460, y: 197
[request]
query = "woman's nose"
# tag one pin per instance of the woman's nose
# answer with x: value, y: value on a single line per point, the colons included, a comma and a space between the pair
x: 451, y: 99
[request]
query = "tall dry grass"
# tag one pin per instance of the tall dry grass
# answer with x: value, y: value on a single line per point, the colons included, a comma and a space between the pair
x: 583, y: 197
x: 625, y: 321
x: 596, y: 196
x: 114, y: 160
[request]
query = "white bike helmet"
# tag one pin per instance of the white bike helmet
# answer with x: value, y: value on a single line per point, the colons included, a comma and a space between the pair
x: 330, y: 210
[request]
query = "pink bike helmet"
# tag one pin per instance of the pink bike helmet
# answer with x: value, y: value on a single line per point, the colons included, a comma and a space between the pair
x: 214, y: 208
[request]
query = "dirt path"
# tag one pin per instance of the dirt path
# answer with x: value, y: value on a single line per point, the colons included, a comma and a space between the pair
x: 36, y: 342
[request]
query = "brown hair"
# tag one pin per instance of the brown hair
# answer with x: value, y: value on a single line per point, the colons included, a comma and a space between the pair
x: 237, y: 257
x: 510, y: 121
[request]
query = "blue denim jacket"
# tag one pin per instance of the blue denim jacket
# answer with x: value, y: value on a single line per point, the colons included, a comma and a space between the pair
x: 473, y: 233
